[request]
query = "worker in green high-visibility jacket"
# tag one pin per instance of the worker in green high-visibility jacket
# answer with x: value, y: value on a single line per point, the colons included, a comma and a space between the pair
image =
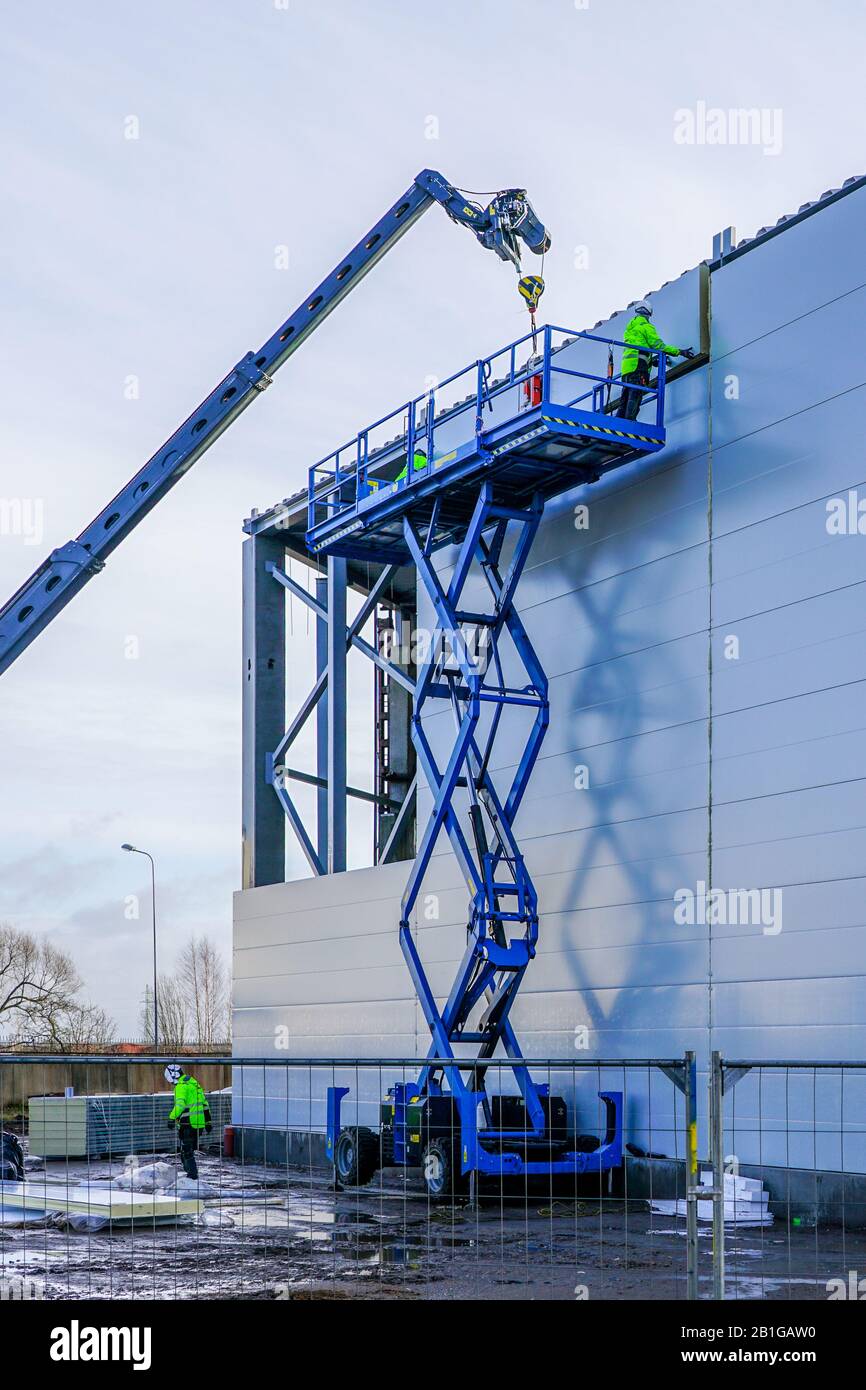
x: 191, y: 1115
x: 640, y: 335
x: 419, y: 460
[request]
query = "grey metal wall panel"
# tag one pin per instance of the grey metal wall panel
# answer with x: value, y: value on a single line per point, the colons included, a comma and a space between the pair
x: 782, y: 675
x: 811, y: 455
x: 653, y: 508
x: 790, y: 275
x: 789, y: 755
x: 791, y: 578
x: 353, y: 984
x: 757, y: 726
x: 299, y: 954
x: 805, y: 759
x: 310, y: 895
x: 789, y: 371
x: 305, y: 1023
x: 554, y: 804
x: 796, y: 1120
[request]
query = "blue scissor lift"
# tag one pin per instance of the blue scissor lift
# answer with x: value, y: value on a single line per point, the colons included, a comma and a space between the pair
x: 476, y: 475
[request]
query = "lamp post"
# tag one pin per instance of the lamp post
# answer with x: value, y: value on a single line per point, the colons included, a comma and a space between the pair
x: 131, y: 849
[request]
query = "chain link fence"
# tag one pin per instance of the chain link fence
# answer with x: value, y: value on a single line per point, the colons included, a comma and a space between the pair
x: 101, y: 1207
x: 786, y: 1183
x: 95, y: 1203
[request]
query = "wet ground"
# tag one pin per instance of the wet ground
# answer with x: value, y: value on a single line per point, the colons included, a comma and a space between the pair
x: 273, y: 1234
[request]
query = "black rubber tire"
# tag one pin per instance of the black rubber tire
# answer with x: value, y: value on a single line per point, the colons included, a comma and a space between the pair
x: 356, y: 1157
x: 440, y: 1169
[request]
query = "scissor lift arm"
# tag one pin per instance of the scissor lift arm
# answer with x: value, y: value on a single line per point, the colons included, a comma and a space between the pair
x: 507, y: 220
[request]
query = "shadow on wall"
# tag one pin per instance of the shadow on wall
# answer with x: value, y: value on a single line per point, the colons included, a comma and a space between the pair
x: 620, y: 691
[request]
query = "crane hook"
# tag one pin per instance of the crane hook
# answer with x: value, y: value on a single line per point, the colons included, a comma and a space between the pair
x: 531, y: 288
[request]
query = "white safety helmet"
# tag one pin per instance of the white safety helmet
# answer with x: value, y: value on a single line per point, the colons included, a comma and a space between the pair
x: 644, y: 309
x: 173, y: 1073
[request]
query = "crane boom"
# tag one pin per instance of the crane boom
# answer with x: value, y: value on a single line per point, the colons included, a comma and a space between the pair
x: 500, y: 226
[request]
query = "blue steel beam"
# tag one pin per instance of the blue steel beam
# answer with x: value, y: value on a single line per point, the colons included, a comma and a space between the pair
x: 353, y: 635
x: 337, y: 696
x: 322, y: 726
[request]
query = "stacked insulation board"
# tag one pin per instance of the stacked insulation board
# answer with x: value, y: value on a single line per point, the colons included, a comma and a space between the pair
x: 746, y: 1202
x: 92, y: 1126
x: 98, y: 1201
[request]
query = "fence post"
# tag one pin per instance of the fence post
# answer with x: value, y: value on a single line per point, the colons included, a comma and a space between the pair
x: 691, y: 1097
x: 717, y: 1158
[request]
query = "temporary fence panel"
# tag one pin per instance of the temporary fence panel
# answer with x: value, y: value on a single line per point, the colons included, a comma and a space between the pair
x: 267, y: 1221
x: 795, y: 1133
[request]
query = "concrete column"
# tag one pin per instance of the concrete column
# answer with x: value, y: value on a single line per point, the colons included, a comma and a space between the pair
x: 263, y: 711
x: 401, y: 751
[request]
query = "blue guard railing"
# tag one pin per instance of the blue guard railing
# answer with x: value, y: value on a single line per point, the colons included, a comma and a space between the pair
x: 369, y: 462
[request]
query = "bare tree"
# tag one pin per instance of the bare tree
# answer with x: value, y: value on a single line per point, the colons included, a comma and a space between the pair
x: 36, y: 980
x: 194, y: 1001
x: 173, y: 1013
x: 75, y: 1028
x: 39, y: 987
x: 204, y: 978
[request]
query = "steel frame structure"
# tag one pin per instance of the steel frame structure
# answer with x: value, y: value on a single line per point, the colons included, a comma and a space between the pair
x: 340, y: 637
x: 268, y: 801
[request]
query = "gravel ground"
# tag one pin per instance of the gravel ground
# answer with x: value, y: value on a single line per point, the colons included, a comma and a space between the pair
x: 271, y: 1234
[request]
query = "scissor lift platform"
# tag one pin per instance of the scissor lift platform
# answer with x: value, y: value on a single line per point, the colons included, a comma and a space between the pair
x: 477, y: 473
x: 527, y: 433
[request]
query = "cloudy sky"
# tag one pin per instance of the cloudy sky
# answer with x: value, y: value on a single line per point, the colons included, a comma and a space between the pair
x: 136, y: 271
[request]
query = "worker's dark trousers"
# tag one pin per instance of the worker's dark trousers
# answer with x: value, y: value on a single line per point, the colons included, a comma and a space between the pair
x: 188, y: 1141
x: 630, y: 401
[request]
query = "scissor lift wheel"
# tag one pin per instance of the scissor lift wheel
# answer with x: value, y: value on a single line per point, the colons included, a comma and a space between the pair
x: 440, y: 1165
x: 356, y: 1157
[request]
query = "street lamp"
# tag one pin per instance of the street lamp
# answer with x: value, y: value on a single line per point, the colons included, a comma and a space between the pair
x: 131, y: 849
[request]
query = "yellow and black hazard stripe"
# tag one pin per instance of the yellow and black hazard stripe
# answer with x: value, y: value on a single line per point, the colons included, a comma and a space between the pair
x: 521, y: 439
x: 599, y: 429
